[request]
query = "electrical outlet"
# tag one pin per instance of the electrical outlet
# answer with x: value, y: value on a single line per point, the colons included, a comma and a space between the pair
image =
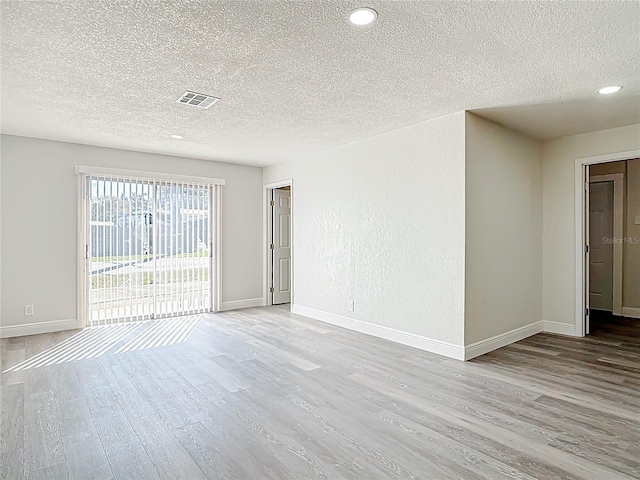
x: 351, y: 307
x: 29, y: 310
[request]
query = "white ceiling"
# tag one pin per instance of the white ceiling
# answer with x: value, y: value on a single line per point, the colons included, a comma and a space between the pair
x: 294, y: 77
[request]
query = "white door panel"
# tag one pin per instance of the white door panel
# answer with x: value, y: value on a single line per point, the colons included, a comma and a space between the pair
x: 284, y: 285
x: 283, y: 237
x: 601, y: 246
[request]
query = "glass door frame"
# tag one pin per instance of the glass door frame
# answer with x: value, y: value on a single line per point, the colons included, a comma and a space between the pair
x: 83, y: 246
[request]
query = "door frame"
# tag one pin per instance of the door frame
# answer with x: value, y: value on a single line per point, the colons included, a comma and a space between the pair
x: 267, y: 228
x: 618, y: 232
x: 215, y: 202
x: 581, y: 241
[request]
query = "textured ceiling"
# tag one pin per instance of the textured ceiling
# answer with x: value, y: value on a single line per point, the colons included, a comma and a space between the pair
x: 295, y: 78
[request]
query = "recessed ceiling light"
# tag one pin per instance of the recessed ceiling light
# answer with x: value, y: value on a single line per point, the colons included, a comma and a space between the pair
x: 361, y: 17
x: 176, y: 136
x: 608, y: 90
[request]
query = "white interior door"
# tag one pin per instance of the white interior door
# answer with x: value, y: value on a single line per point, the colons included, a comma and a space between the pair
x: 281, y: 246
x: 601, y: 246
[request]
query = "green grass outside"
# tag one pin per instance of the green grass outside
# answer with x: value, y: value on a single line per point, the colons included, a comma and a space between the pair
x: 129, y: 258
x: 147, y: 278
x: 132, y: 258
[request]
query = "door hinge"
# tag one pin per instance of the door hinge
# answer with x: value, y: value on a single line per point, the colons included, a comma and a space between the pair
x: 271, y: 289
x: 86, y: 252
x: 272, y: 203
x: 586, y: 249
x: 586, y: 312
x: 272, y: 246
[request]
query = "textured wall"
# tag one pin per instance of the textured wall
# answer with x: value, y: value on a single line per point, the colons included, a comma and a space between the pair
x: 503, y: 261
x: 558, y: 171
x: 39, y: 222
x: 381, y: 222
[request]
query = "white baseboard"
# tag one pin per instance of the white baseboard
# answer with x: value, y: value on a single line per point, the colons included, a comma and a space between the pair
x: 248, y: 303
x: 410, y: 339
x: 489, y: 344
x: 38, y: 327
x: 631, y: 312
x: 559, y: 328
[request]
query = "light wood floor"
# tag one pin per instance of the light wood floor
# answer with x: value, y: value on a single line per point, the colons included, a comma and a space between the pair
x: 261, y: 393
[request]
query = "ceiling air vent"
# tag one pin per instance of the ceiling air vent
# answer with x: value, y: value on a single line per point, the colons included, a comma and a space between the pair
x: 197, y: 99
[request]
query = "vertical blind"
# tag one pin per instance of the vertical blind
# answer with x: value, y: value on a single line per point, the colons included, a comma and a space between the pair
x: 149, y: 248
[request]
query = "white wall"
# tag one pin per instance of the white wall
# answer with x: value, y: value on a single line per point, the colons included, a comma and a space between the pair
x: 39, y: 222
x: 503, y: 267
x: 381, y: 222
x: 558, y: 173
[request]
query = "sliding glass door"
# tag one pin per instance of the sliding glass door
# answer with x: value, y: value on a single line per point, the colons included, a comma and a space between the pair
x: 149, y: 248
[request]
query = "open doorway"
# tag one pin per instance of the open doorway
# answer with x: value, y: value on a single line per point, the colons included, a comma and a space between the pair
x: 609, y: 262
x: 279, y: 243
x: 607, y: 197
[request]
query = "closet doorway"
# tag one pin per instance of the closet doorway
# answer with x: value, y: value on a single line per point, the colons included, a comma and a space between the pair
x: 279, y: 243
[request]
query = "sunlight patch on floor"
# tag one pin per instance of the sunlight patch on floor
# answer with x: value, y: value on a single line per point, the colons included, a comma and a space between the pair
x: 93, y: 342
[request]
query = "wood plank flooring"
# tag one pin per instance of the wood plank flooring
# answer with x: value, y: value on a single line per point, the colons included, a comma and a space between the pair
x: 265, y: 394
